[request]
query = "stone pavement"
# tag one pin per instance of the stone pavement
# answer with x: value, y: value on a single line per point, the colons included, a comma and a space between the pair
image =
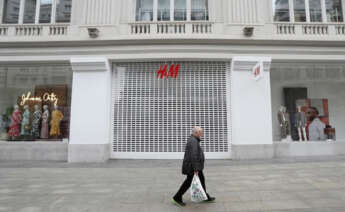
x: 286, y: 185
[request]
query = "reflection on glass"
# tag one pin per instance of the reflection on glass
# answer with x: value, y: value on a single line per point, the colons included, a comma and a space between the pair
x: 11, y: 11
x: 281, y: 10
x: 180, y: 10
x: 45, y: 11
x: 199, y: 10
x: 29, y: 11
x: 315, y: 10
x: 299, y: 8
x: 144, y: 10
x: 334, y: 11
x: 63, y: 11
x: 163, y: 10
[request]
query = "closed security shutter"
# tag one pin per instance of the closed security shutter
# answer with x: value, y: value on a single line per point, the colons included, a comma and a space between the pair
x: 153, y: 118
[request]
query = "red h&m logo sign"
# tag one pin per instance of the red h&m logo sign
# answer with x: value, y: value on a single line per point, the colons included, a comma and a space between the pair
x: 172, y: 73
x: 258, y: 70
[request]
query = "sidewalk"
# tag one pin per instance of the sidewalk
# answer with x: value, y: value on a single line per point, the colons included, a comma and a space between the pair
x: 285, y: 185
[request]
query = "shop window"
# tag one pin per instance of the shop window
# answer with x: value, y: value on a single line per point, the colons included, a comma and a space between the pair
x: 144, y: 10
x: 199, y: 10
x: 35, y: 102
x: 63, y: 11
x: 334, y: 11
x: 163, y: 10
x: 308, y: 102
x: 281, y: 10
x: 11, y: 11
x: 315, y: 10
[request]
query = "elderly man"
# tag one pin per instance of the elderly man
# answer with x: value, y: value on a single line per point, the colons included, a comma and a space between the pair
x: 193, y: 164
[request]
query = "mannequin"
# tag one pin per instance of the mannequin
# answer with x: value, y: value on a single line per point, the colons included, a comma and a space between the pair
x: 36, y: 121
x: 16, y: 118
x: 45, y: 122
x: 25, y: 129
x: 284, y: 123
x: 301, y: 123
x: 57, y: 116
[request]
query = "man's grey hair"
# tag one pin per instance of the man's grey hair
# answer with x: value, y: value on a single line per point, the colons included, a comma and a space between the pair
x: 196, y: 129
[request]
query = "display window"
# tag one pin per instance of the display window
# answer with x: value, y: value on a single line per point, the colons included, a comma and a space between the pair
x: 308, y: 102
x: 35, y: 102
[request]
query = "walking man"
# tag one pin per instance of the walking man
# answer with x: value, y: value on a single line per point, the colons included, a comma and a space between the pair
x: 193, y: 164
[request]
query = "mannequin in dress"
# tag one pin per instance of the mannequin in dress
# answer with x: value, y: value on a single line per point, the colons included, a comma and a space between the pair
x: 25, y: 129
x: 284, y: 123
x: 301, y: 123
x: 36, y: 121
x: 57, y: 116
x: 16, y: 118
x: 45, y: 122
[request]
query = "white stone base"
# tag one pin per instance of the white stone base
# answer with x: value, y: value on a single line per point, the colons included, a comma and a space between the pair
x: 88, y: 153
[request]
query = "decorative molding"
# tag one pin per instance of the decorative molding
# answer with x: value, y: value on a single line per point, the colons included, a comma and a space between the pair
x: 90, y: 64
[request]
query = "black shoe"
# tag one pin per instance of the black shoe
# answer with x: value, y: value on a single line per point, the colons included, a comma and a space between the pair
x: 210, y: 199
x: 179, y: 203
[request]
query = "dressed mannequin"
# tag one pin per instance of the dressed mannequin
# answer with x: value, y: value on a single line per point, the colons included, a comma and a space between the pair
x: 45, y: 122
x: 284, y: 123
x: 57, y: 116
x: 16, y: 118
x: 36, y: 121
x: 301, y: 123
x: 25, y: 129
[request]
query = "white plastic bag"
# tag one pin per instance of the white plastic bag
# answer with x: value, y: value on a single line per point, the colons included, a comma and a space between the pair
x: 197, y: 192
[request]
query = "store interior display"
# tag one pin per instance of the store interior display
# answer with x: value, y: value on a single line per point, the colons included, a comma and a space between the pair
x: 284, y: 123
x: 311, y: 121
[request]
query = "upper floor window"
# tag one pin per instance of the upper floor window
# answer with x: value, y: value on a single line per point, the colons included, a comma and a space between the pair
x: 36, y: 11
x: 199, y: 10
x: 144, y: 10
x: 171, y: 10
x: 308, y: 10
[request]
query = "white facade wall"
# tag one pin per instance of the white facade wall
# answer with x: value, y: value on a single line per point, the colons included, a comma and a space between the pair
x: 121, y: 39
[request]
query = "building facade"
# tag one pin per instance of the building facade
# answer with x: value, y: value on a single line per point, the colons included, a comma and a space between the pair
x: 92, y: 80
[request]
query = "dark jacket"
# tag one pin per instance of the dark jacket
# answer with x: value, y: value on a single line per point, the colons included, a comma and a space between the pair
x: 193, y: 157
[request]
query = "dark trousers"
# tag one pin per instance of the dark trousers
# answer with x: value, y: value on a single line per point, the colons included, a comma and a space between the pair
x: 187, y: 183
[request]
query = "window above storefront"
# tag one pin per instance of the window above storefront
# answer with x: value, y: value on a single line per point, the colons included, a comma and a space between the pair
x: 172, y: 10
x: 310, y: 11
x: 36, y: 11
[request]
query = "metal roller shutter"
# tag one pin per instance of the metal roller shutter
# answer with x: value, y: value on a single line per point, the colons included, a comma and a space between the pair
x: 152, y: 118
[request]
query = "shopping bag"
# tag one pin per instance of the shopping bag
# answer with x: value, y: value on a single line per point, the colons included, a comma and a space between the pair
x: 197, y: 192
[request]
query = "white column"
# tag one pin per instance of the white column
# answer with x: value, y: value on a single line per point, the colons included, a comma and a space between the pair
x: 1, y: 10
x: 37, y: 15
x: 307, y: 11
x: 90, y: 110
x: 21, y: 11
x: 291, y: 10
x: 189, y: 9
x: 323, y: 8
x: 53, y: 17
x: 251, y: 109
x: 172, y: 8
x: 155, y: 10
x: 343, y: 8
